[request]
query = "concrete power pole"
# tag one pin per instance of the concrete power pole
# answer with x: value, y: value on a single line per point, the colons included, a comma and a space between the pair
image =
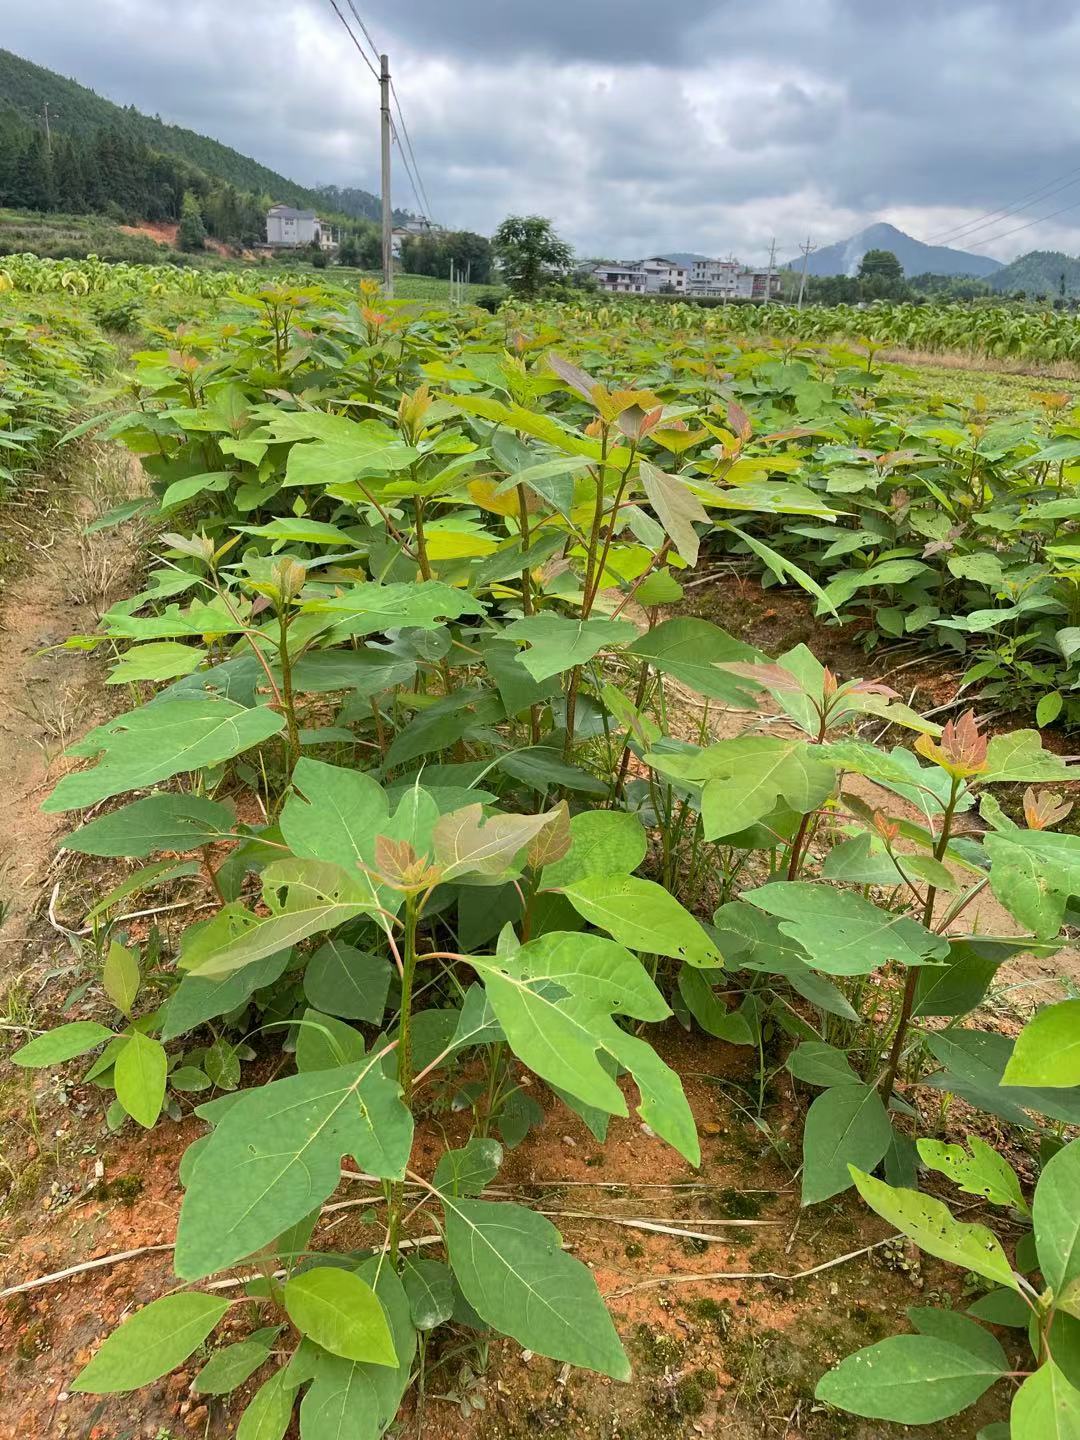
x: 806, y: 249
x: 387, y: 207
x: 48, y: 132
x: 772, y: 267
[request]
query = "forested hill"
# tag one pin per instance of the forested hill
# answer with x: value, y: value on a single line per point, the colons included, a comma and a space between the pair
x: 1040, y: 272
x: 76, y: 111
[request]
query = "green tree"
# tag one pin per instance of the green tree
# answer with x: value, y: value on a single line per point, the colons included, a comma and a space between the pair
x: 880, y: 265
x: 531, y: 254
x: 192, y: 232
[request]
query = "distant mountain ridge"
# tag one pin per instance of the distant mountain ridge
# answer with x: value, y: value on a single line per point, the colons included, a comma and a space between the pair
x: 916, y: 258
x: 73, y: 108
x: 1039, y: 272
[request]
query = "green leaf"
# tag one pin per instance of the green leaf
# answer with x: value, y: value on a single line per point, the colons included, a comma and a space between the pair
x: 159, y: 741
x: 692, y: 651
x: 342, y: 1313
x: 1056, y: 1218
x: 844, y: 1125
x: 975, y: 1061
x: 352, y: 1399
x: 744, y: 779
x: 930, y: 1224
x: 1020, y: 756
x: 323, y: 1042
x: 819, y: 1064
x: 1034, y: 873
x: 151, y: 1343
x: 304, y: 898
x: 643, y: 916
x: 158, y: 822
x: 269, y: 1411
x: 120, y: 977
x: 554, y: 999
x: 984, y: 1172
x: 159, y: 660
x: 468, y: 1170
x: 676, y: 507
x: 335, y: 814
x: 139, y: 1076
x: 602, y: 842
x: 912, y: 1379
x: 197, y: 998
x: 370, y: 608
x: 558, y: 643
x: 842, y: 933
x: 512, y: 1272
x: 465, y: 844
x: 341, y: 980
x: 958, y: 1330
x: 1047, y: 1050
x: 429, y: 1285
x: 281, y: 1146
x: 1046, y: 1407
x: 62, y: 1043
x: 1002, y: 1307
x: 1049, y: 708
x: 709, y: 1010
x: 230, y: 1366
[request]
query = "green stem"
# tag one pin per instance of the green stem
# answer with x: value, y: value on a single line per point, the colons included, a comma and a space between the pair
x: 287, y: 701
x: 404, y: 1057
x: 908, y: 1002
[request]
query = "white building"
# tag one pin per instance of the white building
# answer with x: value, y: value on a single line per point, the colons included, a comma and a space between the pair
x: 731, y: 280
x: 289, y: 229
x: 663, y: 277
x: 621, y: 277
x: 654, y: 276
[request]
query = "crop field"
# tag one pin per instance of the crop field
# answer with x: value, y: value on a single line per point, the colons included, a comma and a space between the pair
x: 492, y: 976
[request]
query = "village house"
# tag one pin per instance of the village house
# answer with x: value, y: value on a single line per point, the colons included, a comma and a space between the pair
x: 290, y: 229
x: 728, y: 279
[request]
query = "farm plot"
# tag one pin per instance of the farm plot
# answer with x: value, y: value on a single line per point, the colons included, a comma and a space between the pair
x: 474, y: 814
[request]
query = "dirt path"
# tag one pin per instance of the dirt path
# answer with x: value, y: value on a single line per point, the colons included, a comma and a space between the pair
x: 49, y: 697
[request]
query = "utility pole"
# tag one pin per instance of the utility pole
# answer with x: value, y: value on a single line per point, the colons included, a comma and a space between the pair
x: 387, y: 208
x: 806, y: 252
x: 48, y: 132
x: 772, y: 267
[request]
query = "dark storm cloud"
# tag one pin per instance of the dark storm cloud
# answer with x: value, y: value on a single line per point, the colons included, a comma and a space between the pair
x: 711, y: 125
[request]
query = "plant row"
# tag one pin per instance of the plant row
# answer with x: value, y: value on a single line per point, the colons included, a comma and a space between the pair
x: 415, y: 615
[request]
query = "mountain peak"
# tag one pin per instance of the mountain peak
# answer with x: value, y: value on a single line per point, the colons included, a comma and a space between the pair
x: 916, y: 257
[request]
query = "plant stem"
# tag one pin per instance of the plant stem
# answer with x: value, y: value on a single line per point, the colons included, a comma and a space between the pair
x: 286, y: 687
x: 908, y: 1002
x: 527, y: 598
x: 404, y: 1056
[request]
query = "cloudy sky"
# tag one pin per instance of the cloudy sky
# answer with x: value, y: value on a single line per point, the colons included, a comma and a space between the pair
x: 709, y: 126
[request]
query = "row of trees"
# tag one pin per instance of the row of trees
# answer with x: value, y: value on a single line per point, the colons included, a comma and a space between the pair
x: 107, y: 172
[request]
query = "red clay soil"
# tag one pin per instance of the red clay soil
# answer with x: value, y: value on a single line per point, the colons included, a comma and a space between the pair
x: 165, y: 234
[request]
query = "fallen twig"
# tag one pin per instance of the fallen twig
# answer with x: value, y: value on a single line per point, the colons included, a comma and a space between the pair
x: 751, y: 1274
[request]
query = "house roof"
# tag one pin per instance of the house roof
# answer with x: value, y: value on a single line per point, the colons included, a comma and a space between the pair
x: 286, y: 212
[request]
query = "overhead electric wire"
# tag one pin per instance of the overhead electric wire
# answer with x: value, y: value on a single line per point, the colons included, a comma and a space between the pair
x: 408, y: 155
x: 405, y: 131
x: 990, y: 239
x: 1044, y: 192
x: 352, y: 37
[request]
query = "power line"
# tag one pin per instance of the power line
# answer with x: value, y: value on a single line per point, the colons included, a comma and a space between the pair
x: 1013, y: 208
x: 990, y: 239
x: 426, y: 207
x: 406, y: 151
x: 366, y: 32
x: 352, y: 37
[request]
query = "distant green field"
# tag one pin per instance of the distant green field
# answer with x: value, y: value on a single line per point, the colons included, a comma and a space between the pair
x: 76, y: 236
